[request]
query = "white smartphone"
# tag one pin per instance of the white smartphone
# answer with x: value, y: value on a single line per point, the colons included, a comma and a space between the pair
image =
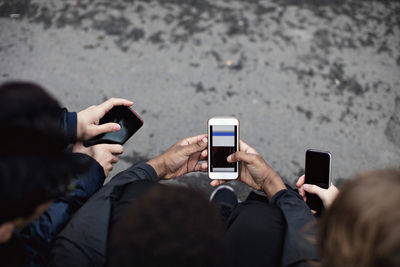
x: 223, y: 140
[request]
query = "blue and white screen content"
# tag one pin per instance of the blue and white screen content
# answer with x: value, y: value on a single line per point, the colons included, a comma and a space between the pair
x: 223, y: 143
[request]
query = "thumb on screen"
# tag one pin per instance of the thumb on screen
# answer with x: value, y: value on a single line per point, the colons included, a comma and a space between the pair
x: 314, y: 189
x: 106, y: 128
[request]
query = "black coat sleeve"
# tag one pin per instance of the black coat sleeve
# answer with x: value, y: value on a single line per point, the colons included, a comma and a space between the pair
x: 298, y: 247
x: 68, y: 122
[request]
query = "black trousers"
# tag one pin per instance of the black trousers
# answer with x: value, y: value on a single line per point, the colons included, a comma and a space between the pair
x: 255, y: 233
x: 255, y: 228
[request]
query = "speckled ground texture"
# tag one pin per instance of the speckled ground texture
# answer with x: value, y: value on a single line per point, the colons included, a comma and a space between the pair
x: 298, y: 74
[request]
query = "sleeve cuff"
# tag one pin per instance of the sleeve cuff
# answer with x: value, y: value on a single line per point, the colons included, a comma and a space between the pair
x: 91, y: 180
x: 69, y: 125
x: 151, y: 173
x: 283, y: 192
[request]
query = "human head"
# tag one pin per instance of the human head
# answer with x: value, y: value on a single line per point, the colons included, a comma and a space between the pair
x: 362, y: 227
x: 168, y: 226
x: 34, y: 167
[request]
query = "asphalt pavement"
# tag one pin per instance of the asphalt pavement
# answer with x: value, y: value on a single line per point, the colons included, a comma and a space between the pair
x: 297, y: 74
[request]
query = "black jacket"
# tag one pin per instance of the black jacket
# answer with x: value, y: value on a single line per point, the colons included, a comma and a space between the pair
x: 84, y: 240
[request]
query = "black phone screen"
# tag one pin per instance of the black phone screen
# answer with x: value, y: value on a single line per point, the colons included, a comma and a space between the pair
x: 129, y: 121
x: 223, y: 142
x: 317, y: 172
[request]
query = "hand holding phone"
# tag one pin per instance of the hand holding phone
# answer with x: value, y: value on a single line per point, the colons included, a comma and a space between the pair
x: 105, y: 154
x: 326, y: 195
x: 88, y: 119
x: 254, y: 171
x: 183, y: 157
x: 129, y: 123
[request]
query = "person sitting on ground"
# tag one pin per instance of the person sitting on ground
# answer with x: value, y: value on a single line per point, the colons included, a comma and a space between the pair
x: 84, y: 240
x: 37, y: 171
x: 267, y: 229
x: 261, y: 231
x: 271, y: 233
x: 360, y: 226
x: 87, y: 235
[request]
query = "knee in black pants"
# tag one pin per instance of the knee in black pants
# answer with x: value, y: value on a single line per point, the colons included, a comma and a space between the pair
x: 255, y: 232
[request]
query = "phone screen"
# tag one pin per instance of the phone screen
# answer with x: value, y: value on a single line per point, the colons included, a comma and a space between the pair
x: 318, y: 168
x: 223, y: 142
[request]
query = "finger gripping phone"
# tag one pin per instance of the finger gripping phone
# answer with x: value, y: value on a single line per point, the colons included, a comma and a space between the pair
x: 318, y: 172
x: 129, y: 121
x: 223, y: 140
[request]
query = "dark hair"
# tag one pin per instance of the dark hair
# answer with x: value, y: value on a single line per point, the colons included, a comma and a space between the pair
x: 362, y: 227
x: 168, y: 226
x: 34, y: 166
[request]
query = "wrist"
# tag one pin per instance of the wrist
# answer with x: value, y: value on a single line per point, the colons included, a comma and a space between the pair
x: 272, y: 184
x: 159, y: 166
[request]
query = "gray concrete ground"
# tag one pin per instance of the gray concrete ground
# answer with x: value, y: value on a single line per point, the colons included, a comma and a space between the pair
x: 298, y: 74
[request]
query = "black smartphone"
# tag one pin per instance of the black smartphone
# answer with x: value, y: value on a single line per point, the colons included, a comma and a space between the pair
x: 129, y: 121
x: 318, y: 172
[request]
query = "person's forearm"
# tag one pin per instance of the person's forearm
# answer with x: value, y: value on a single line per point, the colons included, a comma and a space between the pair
x: 272, y: 185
